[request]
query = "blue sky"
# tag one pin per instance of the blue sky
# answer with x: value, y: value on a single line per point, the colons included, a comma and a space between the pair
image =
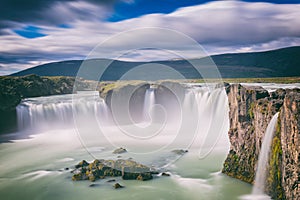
x: 124, y: 10
x: 52, y: 30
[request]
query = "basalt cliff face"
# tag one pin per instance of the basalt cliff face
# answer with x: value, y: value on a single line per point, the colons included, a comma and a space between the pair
x: 290, y: 144
x: 251, y: 109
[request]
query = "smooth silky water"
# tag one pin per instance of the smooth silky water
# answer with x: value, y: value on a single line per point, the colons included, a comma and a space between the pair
x: 59, y: 131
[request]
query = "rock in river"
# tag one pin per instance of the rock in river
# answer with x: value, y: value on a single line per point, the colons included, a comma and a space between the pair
x: 99, y: 169
x: 119, y: 150
x: 180, y: 151
x: 118, y: 186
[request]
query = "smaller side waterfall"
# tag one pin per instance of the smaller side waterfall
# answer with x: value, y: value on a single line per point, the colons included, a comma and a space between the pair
x: 261, y: 172
x: 148, y: 104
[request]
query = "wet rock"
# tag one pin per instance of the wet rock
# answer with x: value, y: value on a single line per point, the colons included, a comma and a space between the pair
x: 180, y: 151
x: 99, y: 169
x: 120, y: 150
x: 154, y: 171
x: 79, y: 177
x: 165, y: 174
x: 144, y: 177
x: 93, y: 185
x: 222, y: 84
x: 81, y: 164
x: 118, y: 186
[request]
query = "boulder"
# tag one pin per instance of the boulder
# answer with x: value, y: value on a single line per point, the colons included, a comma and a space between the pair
x: 99, y: 169
x: 118, y: 186
x: 81, y: 164
x: 180, y: 151
x: 165, y: 174
x: 119, y: 150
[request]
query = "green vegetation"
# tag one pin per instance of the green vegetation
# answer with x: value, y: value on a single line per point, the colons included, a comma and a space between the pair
x: 251, y: 110
x: 14, y: 89
x: 274, y: 178
x: 283, y: 80
x: 105, y: 87
x: 234, y: 167
x: 276, y: 63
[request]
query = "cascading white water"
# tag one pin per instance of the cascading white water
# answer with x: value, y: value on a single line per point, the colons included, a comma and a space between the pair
x: 58, y: 111
x: 47, y: 154
x: 263, y: 159
x: 208, y: 111
x: 199, y: 118
x: 149, y: 102
x: 193, y: 119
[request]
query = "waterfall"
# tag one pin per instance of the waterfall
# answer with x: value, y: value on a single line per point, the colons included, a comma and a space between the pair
x: 205, y: 119
x: 58, y: 111
x: 149, y: 102
x: 197, y: 120
x: 261, y: 172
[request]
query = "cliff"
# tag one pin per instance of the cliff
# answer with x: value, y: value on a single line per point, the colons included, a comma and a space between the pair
x: 290, y: 144
x: 125, y: 99
x: 14, y: 89
x: 251, y: 109
x: 119, y: 96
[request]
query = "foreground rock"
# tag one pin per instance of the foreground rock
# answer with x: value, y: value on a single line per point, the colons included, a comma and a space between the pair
x: 118, y: 186
x: 251, y: 109
x: 119, y: 150
x: 99, y: 169
x: 165, y: 174
x: 180, y: 151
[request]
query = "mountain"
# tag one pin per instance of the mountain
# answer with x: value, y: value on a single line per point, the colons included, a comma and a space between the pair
x: 275, y: 63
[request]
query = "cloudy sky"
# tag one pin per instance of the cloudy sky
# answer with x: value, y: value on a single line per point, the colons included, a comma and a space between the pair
x: 34, y: 32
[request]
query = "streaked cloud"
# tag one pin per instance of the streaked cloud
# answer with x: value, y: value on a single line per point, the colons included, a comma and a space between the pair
x: 220, y: 26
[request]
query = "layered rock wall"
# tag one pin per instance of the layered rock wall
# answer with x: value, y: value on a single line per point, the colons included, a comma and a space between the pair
x: 290, y: 144
x: 251, y: 109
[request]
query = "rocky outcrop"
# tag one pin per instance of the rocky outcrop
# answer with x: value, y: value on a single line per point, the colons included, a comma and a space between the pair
x: 290, y: 144
x: 14, y: 89
x: 120, y: 150
x: 125, y: 99
x: 179, y: 151
x: 118, y: 186
x: 251, y: 109
x: 99, y: 169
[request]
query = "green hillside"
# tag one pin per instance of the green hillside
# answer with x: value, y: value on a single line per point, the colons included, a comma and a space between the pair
x: 276, y: 63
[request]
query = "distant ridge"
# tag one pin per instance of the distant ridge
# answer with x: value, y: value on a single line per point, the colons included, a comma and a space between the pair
x: 283, y: 62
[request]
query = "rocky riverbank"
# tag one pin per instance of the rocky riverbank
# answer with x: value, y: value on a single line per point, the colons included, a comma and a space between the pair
x: 251, y: 109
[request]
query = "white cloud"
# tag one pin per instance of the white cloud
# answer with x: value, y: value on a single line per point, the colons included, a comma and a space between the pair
x: 221, y: 26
